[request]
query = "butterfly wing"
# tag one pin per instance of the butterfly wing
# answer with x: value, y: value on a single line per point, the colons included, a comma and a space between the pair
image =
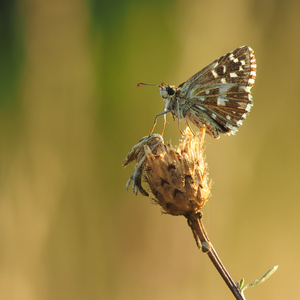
x: 219, y: 95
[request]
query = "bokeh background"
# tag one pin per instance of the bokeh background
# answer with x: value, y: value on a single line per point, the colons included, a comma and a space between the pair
x: 70, y: 112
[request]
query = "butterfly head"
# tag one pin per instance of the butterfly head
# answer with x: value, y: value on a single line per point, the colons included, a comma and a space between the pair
x: 167, y: 91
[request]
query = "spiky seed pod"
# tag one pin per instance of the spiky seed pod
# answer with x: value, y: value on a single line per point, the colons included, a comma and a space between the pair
x: 177, y: 178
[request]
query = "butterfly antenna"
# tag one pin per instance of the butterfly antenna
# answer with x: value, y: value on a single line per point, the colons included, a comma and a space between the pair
x: 139, y: 84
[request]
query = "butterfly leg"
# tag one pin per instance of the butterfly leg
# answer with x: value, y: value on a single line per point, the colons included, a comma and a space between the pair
x: 155, y: 121
x: 179, y: 126
x: 188, y: 124
x: 164, y: 125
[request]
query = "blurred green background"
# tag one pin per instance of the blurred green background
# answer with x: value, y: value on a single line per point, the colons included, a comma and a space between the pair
x: 70, y: 112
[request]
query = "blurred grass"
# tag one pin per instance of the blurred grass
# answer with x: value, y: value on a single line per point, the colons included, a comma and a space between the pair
x: 70, y: 112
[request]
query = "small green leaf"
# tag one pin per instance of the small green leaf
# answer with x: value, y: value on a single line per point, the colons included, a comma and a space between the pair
x: 240, y: 284
x: 256, y: 282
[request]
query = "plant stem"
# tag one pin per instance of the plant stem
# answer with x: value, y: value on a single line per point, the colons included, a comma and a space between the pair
x: 202, y: 240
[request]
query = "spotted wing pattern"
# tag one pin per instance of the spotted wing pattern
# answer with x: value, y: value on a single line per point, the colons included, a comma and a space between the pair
x: 219, y: 95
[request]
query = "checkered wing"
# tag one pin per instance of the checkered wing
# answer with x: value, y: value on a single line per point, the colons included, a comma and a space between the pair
x: 219, y: 95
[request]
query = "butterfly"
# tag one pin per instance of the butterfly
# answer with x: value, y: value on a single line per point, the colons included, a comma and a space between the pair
x: 218, y: 97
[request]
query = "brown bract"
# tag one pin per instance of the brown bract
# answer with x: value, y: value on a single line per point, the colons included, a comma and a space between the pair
x: 177, y: 178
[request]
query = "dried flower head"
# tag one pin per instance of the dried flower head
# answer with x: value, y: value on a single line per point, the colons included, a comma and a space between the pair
x: 177, y: 178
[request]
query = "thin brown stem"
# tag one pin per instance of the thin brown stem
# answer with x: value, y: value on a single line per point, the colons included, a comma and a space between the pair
x: 202, y: 240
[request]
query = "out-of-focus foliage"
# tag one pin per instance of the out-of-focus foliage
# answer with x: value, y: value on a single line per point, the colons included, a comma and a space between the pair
x: 11, y: 51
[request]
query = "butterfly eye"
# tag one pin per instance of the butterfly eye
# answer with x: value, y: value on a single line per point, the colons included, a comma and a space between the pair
x: 170, y: 91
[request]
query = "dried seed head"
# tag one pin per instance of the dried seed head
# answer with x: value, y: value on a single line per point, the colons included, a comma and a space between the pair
x: 155, y: 143
x: 177, y: 178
